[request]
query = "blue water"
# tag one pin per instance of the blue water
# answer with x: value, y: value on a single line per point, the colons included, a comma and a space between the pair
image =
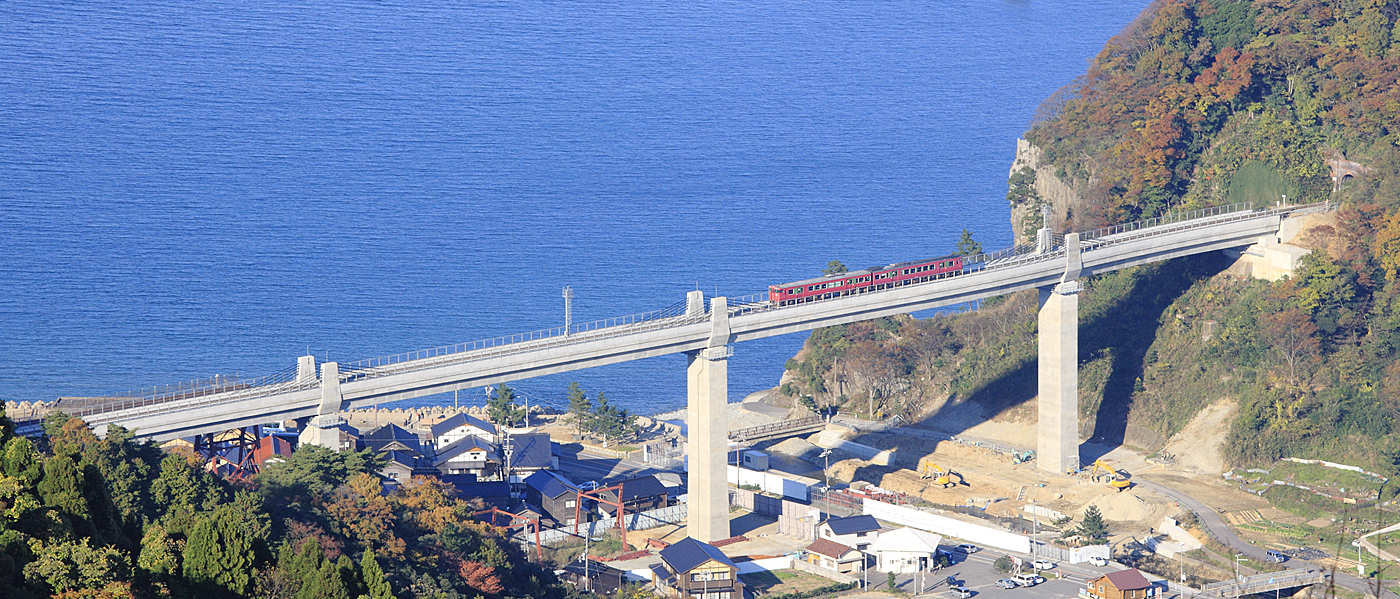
x: 191, y: 189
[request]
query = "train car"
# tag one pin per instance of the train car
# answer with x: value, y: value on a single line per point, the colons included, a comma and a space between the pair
x: 863, y: 281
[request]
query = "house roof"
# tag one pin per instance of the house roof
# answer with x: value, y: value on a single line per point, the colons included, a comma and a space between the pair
x: 645, y: 486
x: 460, y: 420
x: 467, y: 487
x: 270, y: 447
x: 402, y: 458
x: 1125, y: 580
x: 853, y: 524
x: 531, y: 450
x: 390, y: 432
x: 684, y: 555
x: 829, y: 548
x: 907, y: 539
x: 464, y: 445
x: 550, y: 484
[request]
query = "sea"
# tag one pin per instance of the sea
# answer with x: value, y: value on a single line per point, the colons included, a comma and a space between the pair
x: 201, y: 189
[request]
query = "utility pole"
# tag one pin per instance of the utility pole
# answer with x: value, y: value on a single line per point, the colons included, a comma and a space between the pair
x: 568, y: 309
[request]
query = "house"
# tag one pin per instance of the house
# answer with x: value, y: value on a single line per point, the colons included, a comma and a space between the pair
x: 1123, y: 584
x: 835, y: 557
x: 556, y: 497
x: 527, y: 453
x: 690, y: 569
x: 854, y: 531
x: 638, y: 494
x: 492, y: 493
x: 592, y: 576
x: 461, y: 426
x: 468, y: 455
x: 402, y: 465
x: 271, y: 450
x: 905, y: 551
x: 391, y: 437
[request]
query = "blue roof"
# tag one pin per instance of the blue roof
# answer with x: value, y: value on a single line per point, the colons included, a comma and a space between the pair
x: 550, y: 484
x: 458, y: 420
x: 464, y: 445
x: 531, y: 450
x: 853, y: 524
x: 646, y: 486
x: 684, y: 555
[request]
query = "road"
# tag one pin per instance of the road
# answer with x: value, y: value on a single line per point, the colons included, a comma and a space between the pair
x: 1212, y: 521
x: 584, y: 466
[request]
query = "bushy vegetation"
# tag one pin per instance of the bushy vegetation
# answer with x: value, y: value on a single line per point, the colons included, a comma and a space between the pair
x: 113, y: 518
x: 1198, y: 103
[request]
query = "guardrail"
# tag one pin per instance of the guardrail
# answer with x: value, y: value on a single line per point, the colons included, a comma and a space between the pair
x: 776, y: 427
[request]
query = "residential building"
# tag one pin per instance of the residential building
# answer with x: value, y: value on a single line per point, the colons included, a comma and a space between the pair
x: 905, y: 551
x: 857, y: 532
x: 593, y: 576
x: 556, y: 497
x: 271, y: 450
x: 690, y: 569
x: 468, y: 455
x: 527, y: 453
x: 835, y: 557
x: 392, y: 437
x: 460, y: 426
x: 402, y: 465
x: 638, y: 494
x: 492, y: 493
x: 1123, y: 584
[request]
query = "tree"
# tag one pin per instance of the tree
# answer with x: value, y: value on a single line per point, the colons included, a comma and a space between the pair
x: 1093, y: 527
x: 481, y: 578
x: 376, y: 587
x: 1294, y: 341
x: 159, y: 553
x: 612, y: 422
x: 967, y: 246
x: 76, y: 565
x: 835, y: 267
x: 7, y: 428
x: 580, y: 407
x: 219, y: 553
x: 502, y: 408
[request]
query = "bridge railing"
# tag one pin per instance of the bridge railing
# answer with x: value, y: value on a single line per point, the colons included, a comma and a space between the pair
x: 220, y: 389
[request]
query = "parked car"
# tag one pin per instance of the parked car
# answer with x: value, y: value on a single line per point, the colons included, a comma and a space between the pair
x: 961, y: 592
x: 967, y: 548
x: 1027, y: 580
x: 1044, y: 564
x: 588, y: 486
x: 1007, y: 583
x: 1275, y: 556
x: 1098, y: 561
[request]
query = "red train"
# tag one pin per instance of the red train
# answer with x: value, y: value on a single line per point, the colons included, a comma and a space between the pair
x: 870, y: 279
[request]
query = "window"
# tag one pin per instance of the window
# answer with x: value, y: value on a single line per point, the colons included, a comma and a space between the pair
x: 862, y: 533
x: 569, y: 503
x: 704, y: 576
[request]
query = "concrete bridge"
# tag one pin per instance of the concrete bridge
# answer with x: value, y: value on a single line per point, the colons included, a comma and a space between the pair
x: 1267, y: 582
x: 706, y: 334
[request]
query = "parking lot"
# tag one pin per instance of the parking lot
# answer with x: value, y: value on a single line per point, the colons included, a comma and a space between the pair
x: 975, y: 572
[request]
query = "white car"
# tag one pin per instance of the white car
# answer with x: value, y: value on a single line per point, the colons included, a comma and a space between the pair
x: 589, y: 486
x: 1099, y: 561
x: 961, y: 592
x: 1043, y: 564
x: 967, y: 548
x: 1027, y: 580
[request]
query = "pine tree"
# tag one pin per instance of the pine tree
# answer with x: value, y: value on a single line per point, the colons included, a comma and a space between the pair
x: 968, y: 246
x: 502, y: 408
x: 835, y: 267
x: 376, y: 587
x: 219, y: 554
x: 580, y: 407
x: 1093, y: 527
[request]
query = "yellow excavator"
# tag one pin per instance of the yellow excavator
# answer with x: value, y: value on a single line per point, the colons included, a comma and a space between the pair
x: 1118, y: 479
x: 928, y: 469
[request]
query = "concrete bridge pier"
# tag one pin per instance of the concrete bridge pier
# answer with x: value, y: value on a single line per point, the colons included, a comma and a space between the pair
x: 1057, y: 443
x: 707, y: 399
x: 324, y: 428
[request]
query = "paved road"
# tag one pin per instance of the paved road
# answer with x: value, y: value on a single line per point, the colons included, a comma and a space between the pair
x: 1212, y: 521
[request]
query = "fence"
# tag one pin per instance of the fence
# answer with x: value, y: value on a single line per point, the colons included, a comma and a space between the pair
x: 802, y: 566
x: 794, y: 519
x: 675, y: 514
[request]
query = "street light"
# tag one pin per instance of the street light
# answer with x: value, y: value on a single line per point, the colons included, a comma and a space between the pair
x: 826, y: 489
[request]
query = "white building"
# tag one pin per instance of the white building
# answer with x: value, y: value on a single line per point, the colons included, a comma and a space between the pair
x: 461, y: 426
x: 905, y: 551
x: 857, y: 532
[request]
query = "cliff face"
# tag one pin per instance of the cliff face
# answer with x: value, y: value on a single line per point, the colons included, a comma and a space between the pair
x: 1050, y: 189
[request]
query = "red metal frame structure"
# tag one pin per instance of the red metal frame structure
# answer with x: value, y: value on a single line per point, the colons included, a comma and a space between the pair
x: 526, y: 522
x: 621, y: 511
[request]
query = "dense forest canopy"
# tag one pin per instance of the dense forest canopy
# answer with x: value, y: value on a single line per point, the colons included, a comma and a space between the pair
x: 115, y: 518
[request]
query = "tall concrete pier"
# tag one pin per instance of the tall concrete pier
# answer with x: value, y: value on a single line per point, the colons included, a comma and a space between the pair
x: 1057, y: 447
x: 707, y: 397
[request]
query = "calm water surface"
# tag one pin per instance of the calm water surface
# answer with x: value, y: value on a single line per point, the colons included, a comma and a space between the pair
x: 191, y: 189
